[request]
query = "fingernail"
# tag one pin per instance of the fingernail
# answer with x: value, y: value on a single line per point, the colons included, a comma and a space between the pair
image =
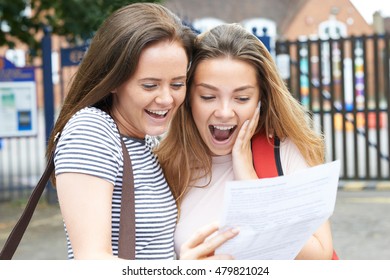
x: 235, y: 230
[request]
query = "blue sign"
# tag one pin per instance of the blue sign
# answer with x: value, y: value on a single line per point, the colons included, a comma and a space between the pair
x: 72, y: 56
x: 10, y: 73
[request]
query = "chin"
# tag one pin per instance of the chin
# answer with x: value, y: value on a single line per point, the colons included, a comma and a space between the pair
x: 156, y: 132
x: 220, y: 153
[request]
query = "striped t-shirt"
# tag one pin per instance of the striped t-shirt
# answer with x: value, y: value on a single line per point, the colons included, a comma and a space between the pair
x: 90, y: 144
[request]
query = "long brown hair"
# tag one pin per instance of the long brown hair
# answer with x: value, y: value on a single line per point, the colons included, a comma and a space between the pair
x: 113, y: 55
x: 182, y: 153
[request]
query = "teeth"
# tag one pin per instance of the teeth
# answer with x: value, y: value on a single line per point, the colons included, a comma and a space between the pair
x: 223, y: 127
x: 161, y: 113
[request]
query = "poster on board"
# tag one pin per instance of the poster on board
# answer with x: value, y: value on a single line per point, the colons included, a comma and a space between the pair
x: 18, y: 101
x: 18, y: 109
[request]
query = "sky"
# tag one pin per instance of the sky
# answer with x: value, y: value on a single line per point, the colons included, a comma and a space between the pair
x: 368, y: 7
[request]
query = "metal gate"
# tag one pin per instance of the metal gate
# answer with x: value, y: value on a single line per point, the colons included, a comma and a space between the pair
x: 344, y: 83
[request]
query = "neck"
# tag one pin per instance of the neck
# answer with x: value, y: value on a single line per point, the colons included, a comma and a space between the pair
x: 123, y: 125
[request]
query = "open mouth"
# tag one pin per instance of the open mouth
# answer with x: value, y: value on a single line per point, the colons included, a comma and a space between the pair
x: 222, y: 133
x: 157, y: 114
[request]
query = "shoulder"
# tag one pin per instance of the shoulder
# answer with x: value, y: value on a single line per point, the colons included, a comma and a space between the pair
x: 92, y: 122
x: 90, y: 128
x: 291, y: 158
x: 89, y: 143
x: 91, y: 117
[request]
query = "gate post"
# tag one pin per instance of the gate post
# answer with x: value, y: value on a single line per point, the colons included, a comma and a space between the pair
x: 48, y: 96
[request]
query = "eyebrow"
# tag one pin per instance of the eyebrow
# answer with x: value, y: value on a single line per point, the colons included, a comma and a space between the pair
x: 157, y: 80
x: 242, y: 88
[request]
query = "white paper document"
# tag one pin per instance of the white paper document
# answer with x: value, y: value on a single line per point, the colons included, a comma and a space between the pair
x: 276, y: 216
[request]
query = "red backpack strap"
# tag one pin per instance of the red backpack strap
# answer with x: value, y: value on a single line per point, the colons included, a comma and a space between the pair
x: 335, y: 257
x: 266, y: 156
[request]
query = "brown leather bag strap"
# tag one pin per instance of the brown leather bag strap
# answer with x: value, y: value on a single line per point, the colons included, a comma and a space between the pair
x: 127, y: 218
x: 126, y: 243
x: 18, y: 231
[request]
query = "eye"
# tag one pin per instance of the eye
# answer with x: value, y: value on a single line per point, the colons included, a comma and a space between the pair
x: 207, y: 97
x: 177, y: 85
x: 149, y: 86
x: 242, y: 98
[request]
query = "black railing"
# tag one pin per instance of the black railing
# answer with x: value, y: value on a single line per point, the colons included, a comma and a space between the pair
x: 345, y: 84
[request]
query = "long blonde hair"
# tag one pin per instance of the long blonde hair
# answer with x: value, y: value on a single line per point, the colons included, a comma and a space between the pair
x: 114, y: 53
x: 182, y: 153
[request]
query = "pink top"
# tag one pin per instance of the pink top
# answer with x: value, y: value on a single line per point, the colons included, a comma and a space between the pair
x: 202, y: 206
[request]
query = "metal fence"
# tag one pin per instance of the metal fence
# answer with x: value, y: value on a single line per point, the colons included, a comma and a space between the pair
x: 344, y: 83
x: 22, y: 162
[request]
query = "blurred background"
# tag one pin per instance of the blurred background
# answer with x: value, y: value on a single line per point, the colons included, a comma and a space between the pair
x: 332, y: 54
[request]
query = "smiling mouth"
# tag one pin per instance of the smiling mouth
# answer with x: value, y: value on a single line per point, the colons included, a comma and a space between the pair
x: 157, y: 114
x: 222, y: 133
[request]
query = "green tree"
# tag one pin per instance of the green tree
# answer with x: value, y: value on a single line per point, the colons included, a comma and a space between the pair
x: 77, y: 20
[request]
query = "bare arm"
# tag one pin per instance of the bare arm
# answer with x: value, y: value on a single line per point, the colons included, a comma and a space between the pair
x: 319, y: 246
x: 85, y: 203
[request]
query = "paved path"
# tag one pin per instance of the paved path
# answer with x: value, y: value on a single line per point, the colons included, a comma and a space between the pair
x: 361, y: 228
x: 44, y: 238
x: 361, y: 225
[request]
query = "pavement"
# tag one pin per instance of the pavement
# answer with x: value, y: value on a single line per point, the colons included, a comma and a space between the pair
x: 44, y: 238
x: 360, y: 225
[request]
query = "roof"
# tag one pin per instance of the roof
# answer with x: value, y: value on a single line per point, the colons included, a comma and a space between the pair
x: 280, y: 11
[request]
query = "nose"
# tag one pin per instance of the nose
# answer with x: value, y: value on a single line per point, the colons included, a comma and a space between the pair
x: 224, y: 111
x: 164, y: 97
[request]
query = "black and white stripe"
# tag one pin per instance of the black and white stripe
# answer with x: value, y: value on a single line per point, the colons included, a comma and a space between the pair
x: 90, y: 144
